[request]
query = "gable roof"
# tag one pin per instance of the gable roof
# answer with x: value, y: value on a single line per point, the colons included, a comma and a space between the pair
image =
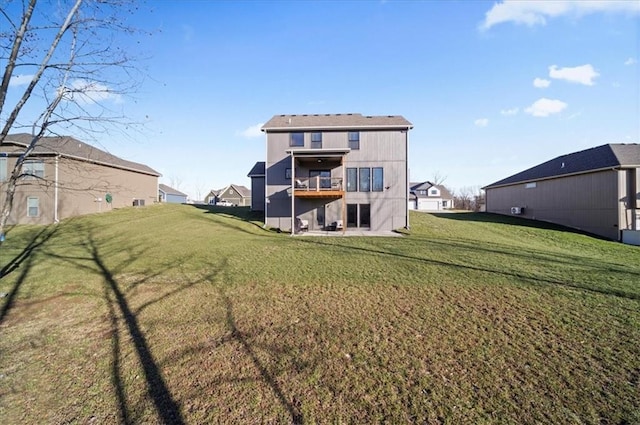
x: 240, y: 190
x: 70, y: 147
x: 335, y: 122
x: 257, y: 170
x: 603, y: 157
x: 444, y: 192
x: 170, y: 191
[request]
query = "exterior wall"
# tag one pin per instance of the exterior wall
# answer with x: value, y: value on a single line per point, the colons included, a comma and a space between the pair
x: 589, y: 202
x: 174, y: 199
x: 82, y: 188
x: 378, y: 148
x: 257, y: 193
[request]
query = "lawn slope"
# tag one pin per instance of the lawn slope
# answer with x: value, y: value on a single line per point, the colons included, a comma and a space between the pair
x: 180, y: 314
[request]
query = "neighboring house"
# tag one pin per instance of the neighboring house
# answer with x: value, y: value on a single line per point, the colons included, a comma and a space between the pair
x: 333, y: 171
x: 594, y: 190
x: 65, y: 177
x: 236, y: 195
x: 257, y: 186
x: 233, y: 195
x: 212, y: 197
x: 170, y: 195
x: 427, y: 196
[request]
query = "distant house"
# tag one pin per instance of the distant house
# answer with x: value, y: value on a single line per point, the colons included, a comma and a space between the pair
x: 427, y: 196
x: 336, y: 171
x: 64, y: 177
x: 257, y: 186
x: 233, y: 195
x: 212, y: 197
x: 596, y: 190
x: 170, y: 195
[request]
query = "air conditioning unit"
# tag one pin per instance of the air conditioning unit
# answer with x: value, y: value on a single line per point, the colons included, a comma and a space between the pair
x: 516, y: 210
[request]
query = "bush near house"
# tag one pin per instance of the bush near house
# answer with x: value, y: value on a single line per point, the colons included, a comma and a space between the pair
x: 184, y: 314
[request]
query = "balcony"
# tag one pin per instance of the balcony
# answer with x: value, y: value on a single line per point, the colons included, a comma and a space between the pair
x: 318, y: 187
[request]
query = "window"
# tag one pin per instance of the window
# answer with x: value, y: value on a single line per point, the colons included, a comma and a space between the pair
x: 297, y: 139
x: 3, y: 169
x: 352, y: 179
x: 354, y: 140
x: 422, y: 192
x: 365, y: 179
x: 378, y: 179
x: 352, y: 215
x: 33, y: 168
x: 444, y: 204
x: 287, y: 173
x: 33, y: 207
x: 530, y: 185
x: 434, y: 192
x: 321, y: 177
x: 316, y: 140
x: 365, y: 215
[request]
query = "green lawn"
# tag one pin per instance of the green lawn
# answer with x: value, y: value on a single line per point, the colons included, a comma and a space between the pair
x: 178, y: 314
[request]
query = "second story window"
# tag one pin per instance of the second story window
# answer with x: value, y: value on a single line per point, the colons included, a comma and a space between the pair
x: 296, y: 140
x: 354, y: 140
x: 316, y: 140
x: 352, y: 179
x: 33, y: 168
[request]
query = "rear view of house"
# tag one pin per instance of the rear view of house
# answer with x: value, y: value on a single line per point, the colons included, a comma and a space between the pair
x: 596, y: 190
x: 65, y: 177
x: 336, y: 171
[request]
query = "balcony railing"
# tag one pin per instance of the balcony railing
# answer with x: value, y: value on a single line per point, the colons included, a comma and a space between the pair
x: 318, y: 184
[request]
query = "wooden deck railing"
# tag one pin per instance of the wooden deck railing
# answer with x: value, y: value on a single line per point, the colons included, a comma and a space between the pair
x: 318, y: 184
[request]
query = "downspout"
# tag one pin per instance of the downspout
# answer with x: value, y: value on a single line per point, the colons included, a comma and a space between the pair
x: 266, y: 194
x: 56, y: 220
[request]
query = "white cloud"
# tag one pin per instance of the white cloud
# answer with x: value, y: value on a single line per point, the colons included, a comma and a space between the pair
x: 541, y: 83
x: 20, y: 80
x: 544, y: 107
x: 512, y: 111
x: 251, y: 132
x: 481, y: 122
x: 86, y: 92
x: 631, y: 61
x: 583, y: 74
x: 536, y: 12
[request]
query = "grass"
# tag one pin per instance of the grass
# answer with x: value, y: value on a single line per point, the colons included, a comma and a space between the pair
x: 178, y: 314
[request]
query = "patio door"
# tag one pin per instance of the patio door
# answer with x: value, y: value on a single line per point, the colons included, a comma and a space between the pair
x: 320, y: 217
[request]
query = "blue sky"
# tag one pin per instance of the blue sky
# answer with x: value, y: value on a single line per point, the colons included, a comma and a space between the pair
x: 492, y: 88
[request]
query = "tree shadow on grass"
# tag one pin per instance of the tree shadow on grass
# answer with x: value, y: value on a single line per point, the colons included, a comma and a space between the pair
x: 237, y: 335
x: 118, y: 307
x: 458, y: 265
x: 243, y: 214
x: 25, y: 259
x: 486, y: 217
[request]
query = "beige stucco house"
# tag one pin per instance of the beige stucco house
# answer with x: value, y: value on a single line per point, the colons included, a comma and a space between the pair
x: 65, y: 177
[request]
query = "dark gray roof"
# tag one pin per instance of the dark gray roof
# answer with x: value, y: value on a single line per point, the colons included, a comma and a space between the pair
x: 444, y: 192
x: 243, y: 191
x: 334, y: 122
x: 257, y: 170
x: 170, y: 191
x: 72, y: 148
x: 613, y: 155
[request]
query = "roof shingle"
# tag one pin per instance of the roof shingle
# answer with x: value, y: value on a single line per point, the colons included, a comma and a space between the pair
x: 334, y: 121
x: 599, y: 158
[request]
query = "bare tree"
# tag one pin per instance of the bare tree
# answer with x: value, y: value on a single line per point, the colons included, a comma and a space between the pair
x: 175, y: 182
x: 438, y: 178
x: 63, y: 61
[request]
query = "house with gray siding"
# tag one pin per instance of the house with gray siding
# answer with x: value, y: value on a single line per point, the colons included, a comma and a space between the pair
x: 170, y: 195
x: 596, y: 190
x: 336, y: 171
x: 257, y: 186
